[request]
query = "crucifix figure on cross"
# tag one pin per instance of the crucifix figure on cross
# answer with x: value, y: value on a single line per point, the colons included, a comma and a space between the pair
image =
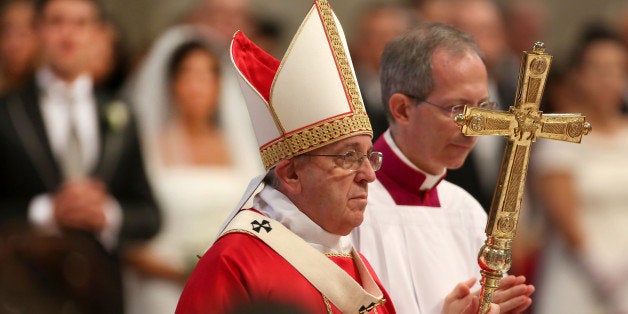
x: 522, y: 124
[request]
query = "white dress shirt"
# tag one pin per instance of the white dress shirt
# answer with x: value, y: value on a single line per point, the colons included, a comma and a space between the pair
x: 59, y: 116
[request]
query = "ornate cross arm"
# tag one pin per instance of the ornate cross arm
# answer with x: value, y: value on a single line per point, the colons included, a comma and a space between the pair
x: 522, y: 124
x: 557, y: 126
x: 564, y: 127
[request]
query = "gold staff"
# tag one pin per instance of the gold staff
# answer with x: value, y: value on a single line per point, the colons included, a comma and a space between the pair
x: 522, y: 124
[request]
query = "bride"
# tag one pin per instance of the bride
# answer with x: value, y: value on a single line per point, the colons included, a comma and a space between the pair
x: 200, y: 151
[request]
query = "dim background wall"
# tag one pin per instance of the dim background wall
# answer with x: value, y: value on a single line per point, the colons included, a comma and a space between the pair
x: 142, y: 20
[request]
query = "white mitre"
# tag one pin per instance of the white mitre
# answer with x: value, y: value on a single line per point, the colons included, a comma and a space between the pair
x: 308, y: 100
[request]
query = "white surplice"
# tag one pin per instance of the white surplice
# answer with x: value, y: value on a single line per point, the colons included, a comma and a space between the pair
x: 421, y: 234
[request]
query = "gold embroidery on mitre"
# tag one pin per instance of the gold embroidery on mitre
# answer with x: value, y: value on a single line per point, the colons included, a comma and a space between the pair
x: 275, y: 152
x: 315, y: 136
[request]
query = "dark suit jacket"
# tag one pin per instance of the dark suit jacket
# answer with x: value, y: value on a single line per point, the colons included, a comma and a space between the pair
x: 28, y: 168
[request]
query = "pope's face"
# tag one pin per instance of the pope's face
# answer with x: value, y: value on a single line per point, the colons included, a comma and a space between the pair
x: 334, y: 197
x: 432, y: 139
x: 66, y: 29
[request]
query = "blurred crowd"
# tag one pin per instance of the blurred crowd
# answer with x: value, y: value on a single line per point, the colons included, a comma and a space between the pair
x: 198, y: 150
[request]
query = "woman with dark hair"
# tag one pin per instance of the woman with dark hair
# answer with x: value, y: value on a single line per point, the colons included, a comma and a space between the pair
x: 195, y: 167
x: 193, y: 136
x: 582, y: 188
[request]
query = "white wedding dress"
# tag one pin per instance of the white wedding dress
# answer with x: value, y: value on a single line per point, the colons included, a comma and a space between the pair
x: 194, y: 200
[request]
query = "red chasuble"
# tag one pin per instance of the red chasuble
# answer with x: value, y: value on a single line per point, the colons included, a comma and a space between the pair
x: 240, y: 269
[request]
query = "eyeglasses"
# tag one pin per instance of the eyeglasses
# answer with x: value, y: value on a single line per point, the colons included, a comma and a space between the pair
x: 456, y: 109
x: 352, y: 160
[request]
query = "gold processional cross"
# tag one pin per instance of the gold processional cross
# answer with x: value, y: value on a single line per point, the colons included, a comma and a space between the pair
x: 522, y: 124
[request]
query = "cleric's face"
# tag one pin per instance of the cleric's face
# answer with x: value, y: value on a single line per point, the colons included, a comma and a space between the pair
x: 433, y: 140
x: 334, y: 197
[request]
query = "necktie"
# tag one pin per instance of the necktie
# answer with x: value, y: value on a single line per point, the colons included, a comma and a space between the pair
x: 73, y: 163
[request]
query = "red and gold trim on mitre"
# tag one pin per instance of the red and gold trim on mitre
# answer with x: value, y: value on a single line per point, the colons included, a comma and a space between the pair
x: 310, y: 99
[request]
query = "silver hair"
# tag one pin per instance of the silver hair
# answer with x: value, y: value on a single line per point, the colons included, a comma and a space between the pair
x: 406, y: 63
x: 271, y: 179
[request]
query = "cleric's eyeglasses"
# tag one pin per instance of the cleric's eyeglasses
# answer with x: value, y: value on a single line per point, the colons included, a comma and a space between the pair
x: 455, y: 110
x: 352, y: 160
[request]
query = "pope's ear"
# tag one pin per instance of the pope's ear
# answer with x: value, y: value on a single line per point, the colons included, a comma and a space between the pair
x: 287, y: 175
x: 399, y: 106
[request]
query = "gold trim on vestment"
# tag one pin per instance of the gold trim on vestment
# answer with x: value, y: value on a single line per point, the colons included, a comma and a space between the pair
x: 339, y: 255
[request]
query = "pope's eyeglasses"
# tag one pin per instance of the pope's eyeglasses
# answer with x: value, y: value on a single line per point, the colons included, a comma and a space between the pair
x: 352, y: 160
x: 455, y: 110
